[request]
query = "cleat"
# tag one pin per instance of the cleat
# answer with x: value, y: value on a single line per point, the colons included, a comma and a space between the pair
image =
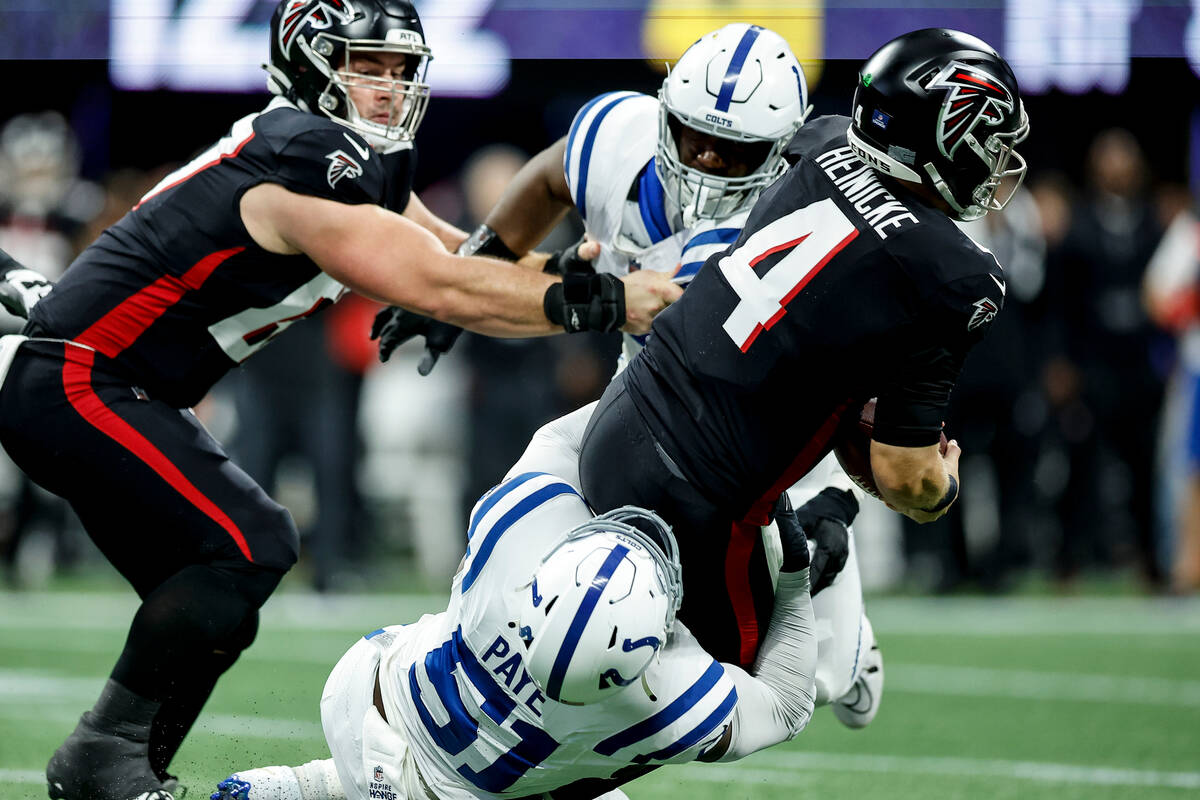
x: 857, y: 707
x: 96, y: 765
x: 232, y: 788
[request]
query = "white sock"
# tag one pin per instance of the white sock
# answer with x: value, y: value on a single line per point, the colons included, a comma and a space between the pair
x: 316, y: 780
x: 271, y: 783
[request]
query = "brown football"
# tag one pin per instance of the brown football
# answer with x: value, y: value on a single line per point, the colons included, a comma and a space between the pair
x: 852, y: 446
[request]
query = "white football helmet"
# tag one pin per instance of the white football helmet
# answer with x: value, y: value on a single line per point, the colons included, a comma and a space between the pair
x: 600, y: 605
x: 740, y: 83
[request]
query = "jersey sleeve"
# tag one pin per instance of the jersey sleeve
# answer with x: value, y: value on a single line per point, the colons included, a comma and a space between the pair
x: 331, y: 162
x: 694, y: 701
x: 913, y: 405
x: 612, y: 137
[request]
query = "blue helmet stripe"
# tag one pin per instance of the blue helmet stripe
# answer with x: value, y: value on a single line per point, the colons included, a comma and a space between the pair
x: 585, y: 156
x: 652, y: 725
x: 651, y: 204
x: 584, y: 613
x: 479, y: 560
x: 735, y: 67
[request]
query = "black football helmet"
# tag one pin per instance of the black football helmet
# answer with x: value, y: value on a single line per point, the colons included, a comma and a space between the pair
x: 311, y: 41
x: 942, y: 108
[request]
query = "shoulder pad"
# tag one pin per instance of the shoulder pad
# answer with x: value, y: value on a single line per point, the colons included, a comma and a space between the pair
x: 816, y: 136
x: 318, y: 157
x: 610, y: 140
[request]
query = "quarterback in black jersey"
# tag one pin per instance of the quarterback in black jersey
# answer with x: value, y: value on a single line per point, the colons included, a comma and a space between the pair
x: 293, y: 207
x: 849, y: 281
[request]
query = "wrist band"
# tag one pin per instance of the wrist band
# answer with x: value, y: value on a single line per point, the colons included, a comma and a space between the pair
x: 484, y: 241
x: 950, y: 496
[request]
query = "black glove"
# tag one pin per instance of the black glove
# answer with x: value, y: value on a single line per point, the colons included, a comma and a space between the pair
x: 567, y: 261
x: 20, y: 288
x: 791, y: 536
x: 826, y: 519
x: 394, y: 326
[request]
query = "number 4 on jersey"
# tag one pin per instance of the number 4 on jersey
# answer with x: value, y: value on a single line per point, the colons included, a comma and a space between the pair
x: 814, y: 234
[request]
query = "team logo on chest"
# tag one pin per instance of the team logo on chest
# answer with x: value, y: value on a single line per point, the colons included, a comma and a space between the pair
x: 341, y: 166
x: 972, y: 97
x: 319, y: 13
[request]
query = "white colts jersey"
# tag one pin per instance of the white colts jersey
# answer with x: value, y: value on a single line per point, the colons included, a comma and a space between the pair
x: 477, y: 724
x: 610, y: 171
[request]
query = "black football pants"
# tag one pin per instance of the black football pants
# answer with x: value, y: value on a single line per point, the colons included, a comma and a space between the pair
x: 727, y: 593
x: 200, y: 542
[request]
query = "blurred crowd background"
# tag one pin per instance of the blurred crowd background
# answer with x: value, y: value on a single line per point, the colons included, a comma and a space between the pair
x: 1078, y: 415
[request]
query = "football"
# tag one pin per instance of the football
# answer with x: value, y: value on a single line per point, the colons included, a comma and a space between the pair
x: 852, y: 446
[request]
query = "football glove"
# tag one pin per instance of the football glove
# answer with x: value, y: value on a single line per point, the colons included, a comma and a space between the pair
x: 791, y: 536
x: 827, y: 518
x: 394, y: 326
x: 568, y: 261
x: 20, y: 288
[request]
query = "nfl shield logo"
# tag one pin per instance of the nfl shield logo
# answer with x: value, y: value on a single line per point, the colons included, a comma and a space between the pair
x: 379, y: 774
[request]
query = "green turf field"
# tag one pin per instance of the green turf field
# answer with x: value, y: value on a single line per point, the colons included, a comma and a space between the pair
x: 1024, y: 698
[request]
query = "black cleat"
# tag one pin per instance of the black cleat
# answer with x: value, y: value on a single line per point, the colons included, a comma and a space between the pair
x: 93, y: 764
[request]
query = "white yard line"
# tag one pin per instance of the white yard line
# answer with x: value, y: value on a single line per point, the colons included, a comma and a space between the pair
x: 790, y: 769
x: 1036, y: 685
x: 785, y: 767
x: 968, y: 616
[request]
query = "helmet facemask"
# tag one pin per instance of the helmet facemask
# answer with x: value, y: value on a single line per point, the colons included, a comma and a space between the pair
x: 408, y: 97
x: 996, y: 152
x: 702, y: 195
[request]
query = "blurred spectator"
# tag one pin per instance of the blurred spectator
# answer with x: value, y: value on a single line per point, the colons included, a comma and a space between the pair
x: 1172, y: 294
x: 1102, y: 384
x: 997, y: 417
x: 44, y: 206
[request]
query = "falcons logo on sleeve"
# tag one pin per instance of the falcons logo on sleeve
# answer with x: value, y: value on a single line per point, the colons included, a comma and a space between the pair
x: 973, y: 96
x: 341, y: 166
x: 321, y: 13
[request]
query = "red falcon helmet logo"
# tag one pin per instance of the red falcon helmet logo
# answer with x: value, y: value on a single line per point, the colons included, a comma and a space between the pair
x: 972, y: 96
x: 320, y: 13
x: 341, y: 166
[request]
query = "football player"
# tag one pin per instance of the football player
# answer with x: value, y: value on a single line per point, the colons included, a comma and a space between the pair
x: 662, y: 183
x: 848, y: 281
x: 295, y: 205
x: 558, y: 669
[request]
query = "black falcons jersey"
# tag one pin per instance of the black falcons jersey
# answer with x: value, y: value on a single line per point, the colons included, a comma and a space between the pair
x: 839, y: 288
x: 177, y: 292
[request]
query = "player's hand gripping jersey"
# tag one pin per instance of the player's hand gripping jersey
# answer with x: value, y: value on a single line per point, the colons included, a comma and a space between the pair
x: 177, y: 292
x: 456, y: 686
x: 839, y: 288
x: 610, y: 171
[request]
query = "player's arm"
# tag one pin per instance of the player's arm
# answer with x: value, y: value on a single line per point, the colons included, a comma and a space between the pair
x: 776, y: 702
x: 535, y: 201
x: 394, y: 260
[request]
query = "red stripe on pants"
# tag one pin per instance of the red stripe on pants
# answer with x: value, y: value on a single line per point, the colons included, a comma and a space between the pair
x: 742, y: 537
x: 77, y: 383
